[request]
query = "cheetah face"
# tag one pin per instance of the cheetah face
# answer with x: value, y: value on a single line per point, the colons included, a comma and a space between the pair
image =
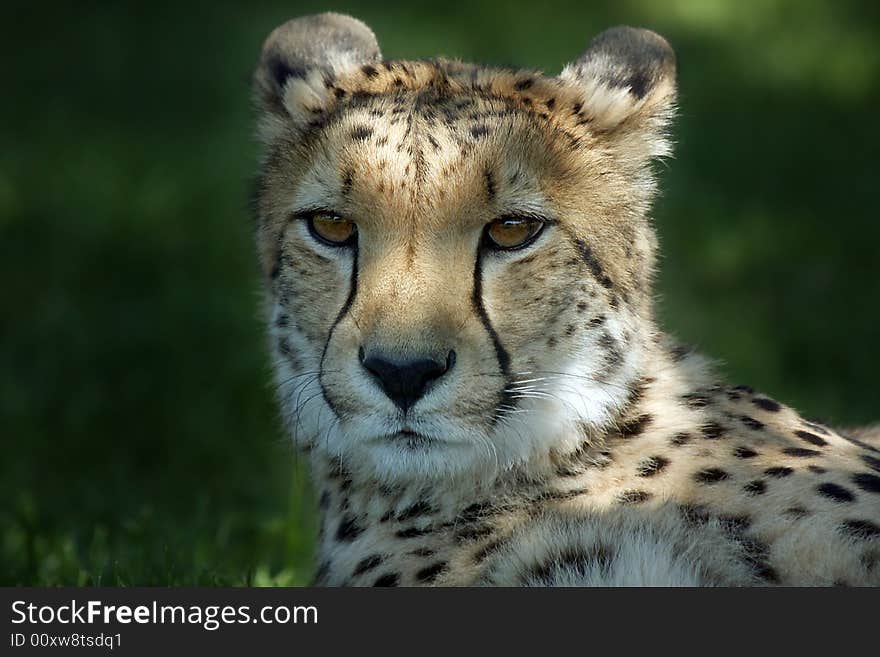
x: 457, y: 258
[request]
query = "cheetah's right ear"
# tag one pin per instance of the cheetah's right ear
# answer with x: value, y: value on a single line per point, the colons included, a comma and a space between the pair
x: 301, y: 56
x: 627, y: 75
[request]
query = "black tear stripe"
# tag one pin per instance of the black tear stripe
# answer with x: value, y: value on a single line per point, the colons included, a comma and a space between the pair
x: 352, y: 291
x: 506, y: 398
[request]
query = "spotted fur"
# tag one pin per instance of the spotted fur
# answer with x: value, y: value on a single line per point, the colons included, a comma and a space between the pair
x: 569, y: 441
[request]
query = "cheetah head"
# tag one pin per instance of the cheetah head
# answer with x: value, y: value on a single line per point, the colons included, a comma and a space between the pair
x: 457, y: 258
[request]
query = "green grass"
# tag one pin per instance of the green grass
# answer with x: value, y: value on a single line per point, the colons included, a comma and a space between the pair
x: 141, y: 440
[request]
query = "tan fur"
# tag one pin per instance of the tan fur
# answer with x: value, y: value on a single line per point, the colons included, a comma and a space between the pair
x: 571, y: 443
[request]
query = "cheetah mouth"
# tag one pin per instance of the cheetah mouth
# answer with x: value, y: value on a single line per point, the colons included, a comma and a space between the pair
x: 413, y: 440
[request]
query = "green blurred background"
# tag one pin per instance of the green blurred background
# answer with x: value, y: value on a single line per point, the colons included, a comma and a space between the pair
x: 141, y: 444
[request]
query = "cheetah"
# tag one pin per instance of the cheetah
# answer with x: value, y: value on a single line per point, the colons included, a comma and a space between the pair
x: 458, y: 265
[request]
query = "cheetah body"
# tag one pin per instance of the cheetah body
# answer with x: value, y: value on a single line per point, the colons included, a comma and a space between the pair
x: 702, y: 485
x: 568, y: 441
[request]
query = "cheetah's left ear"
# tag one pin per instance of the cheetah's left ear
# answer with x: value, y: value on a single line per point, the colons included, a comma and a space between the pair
x: 300, y: 60
x: 628, y: 79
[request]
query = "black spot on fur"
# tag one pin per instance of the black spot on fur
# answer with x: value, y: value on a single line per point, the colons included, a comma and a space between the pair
x: 388, y: 579
x: 473, y: 532
x: 694, y: 514
x: 633, y: 497
x: 801, y: 452
x: 475, y: 511
x: 593, y: 264
x: 635, y: 426
x: 479, y: 131
x: 695, y: 400
x: 572, y: 559
x: 422, y: 552
x: 367, y: 564
x: 818, y: 426
x: 411, y: 532
x: 710, y: 476
x: 652, y: 466
x: 751, y: 422
x: 369, y: 71
x: 867, y: 482
x: 522, y: 85
x: 636, y: 391
x: 712, y: 430
x: 420, y: 508
x: 361, y: 132
x: 348, y: 529
x: 488, y: 550
x: 766, y: 404
x: 347, y: 181
x: 756, y: 487
x: 817, y: 469
x: 429, y: 574
x: 779, y: 471
x: 562, y: 495
x: 490, y: 184
x: 871, y: 461
x: 744, y: 453
x: 796, y: 512
x: 861, y: 528
x: 811, y: 438
x: 682, y: 438
x: 735, y: 525
x: 757, y: 557
x: 284, y: 347
x: 835, y: 492
x: 337, y: 470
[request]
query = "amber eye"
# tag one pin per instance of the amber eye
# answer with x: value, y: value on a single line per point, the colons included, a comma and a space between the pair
x: 332, y: 229
x: 510, y: 233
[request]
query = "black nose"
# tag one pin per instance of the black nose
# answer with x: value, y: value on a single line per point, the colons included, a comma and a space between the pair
x: 405, y: 382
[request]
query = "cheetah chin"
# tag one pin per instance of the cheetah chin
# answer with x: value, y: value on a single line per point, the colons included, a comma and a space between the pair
x: 458, y: 265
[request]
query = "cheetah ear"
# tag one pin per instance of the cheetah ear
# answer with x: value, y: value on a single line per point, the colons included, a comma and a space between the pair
x: 303, y: 55
x: 627, y: 75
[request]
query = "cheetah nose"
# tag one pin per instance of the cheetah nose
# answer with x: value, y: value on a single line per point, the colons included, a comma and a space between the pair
x: 405, y: 382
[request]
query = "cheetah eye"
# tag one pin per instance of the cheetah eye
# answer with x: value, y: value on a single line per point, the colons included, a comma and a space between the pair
x: 510, y: 233
x: 331, y: 229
